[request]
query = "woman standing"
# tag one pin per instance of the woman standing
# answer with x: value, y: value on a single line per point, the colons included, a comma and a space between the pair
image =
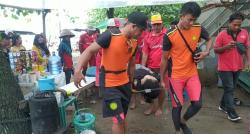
x: 65, y: 52
x: 40, y: 53
x: 17, y: 44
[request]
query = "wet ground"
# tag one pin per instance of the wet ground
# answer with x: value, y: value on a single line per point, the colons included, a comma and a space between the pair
x: 208, y: 121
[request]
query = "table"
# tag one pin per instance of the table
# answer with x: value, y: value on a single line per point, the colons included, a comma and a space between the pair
x: 71, y: 88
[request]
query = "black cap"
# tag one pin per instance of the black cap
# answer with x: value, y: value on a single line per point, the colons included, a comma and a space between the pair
x: 138, y: 18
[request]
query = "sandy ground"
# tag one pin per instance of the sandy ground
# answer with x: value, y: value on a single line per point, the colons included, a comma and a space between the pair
x: 208, y: 121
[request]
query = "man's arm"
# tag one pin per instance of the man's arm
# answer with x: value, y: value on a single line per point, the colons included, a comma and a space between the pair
x: 131, y: 69
x: 144, y: 59
x: 248, y: 57
x: 81, y: 42
x: 219, y: 47
x: 203, y: 54
x: 163, y: 67
x: 222, y: 49
x: 164, y: 59
x: 83, y: 61
x: 145, y: 51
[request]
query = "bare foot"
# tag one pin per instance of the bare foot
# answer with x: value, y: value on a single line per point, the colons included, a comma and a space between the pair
x: 148, y: 111
x: 132, y: 106
x: 158, y: 112
x: 142, y: 102
x: 178, y: 132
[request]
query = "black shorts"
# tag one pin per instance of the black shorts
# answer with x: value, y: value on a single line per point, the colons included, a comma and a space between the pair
x: 116, y: 100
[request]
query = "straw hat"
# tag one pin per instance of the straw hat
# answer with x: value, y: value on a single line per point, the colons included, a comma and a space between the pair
x: 66, y: 32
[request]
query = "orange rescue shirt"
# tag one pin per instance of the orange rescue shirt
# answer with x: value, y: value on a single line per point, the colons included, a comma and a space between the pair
x: 183, y: 65
x: 115, y: 57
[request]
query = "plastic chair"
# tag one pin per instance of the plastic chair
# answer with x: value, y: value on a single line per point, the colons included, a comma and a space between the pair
x: 62, y: 109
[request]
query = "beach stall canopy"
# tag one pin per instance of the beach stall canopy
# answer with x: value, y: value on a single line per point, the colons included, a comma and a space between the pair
x: 87, y: 4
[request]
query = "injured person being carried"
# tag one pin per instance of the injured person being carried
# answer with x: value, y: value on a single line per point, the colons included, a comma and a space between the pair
x: 147, y: 83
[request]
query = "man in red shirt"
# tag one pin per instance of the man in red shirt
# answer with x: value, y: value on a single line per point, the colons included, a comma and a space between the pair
x: 152, y: 52
x: 230, y: 61
x: 85, y: 40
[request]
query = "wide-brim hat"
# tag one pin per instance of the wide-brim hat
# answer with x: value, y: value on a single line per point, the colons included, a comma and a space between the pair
x: 66, y: 32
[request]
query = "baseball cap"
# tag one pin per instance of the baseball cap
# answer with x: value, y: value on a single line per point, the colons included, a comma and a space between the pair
x: 138, y: 18
x: 156, y: 19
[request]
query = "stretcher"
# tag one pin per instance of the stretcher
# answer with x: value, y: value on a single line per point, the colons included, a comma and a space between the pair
x: 146, y: 90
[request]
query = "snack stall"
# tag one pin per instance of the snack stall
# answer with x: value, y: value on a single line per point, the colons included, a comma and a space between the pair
x: 30, y: 77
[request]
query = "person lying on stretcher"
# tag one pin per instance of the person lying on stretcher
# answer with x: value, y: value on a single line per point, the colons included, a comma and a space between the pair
x: 148, y: 84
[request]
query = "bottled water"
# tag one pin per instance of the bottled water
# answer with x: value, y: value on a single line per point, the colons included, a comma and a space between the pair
x: 55, y: 66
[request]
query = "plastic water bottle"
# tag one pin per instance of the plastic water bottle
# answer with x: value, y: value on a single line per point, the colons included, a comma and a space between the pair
x: 55, y: 66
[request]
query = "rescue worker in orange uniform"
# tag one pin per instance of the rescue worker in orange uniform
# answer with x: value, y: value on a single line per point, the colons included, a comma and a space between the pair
x: 181, y: 45
x: 117, y: 67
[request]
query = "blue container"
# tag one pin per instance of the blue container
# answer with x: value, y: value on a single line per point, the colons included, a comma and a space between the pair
x: 46, y: 84
x: 84, y: 120
x: 91, y: 71
x: 55, y: 66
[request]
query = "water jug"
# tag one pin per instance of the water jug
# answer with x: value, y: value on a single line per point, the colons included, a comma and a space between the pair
x: 55, y: 66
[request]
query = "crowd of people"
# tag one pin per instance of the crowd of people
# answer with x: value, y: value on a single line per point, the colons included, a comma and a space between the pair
x: 12, y: 43
x: 142, y: 56
x: 168, y: 62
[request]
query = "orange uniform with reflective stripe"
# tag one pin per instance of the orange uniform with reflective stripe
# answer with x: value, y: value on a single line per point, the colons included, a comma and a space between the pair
x: 116, y: 58
x: 183, y: 65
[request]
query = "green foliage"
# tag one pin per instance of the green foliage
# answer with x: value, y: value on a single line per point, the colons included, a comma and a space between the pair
x: 168, y: 12
x: 97, y: 16
x: 15, y: 13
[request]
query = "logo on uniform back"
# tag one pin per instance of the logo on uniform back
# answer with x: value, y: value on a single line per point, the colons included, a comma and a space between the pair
x: 194, y: 38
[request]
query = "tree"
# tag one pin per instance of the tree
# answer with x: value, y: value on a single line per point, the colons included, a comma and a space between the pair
x: 13, y: 118
x: 15, y: 13
x: 168, y: 12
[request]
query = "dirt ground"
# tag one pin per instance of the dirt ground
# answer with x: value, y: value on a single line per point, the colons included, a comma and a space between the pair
x: 208, y: 121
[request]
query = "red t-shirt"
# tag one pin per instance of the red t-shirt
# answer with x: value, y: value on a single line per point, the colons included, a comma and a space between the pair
x: 152, y: 47
x: 98, y: 64
x: 68, y: 62
x: 140, y: 40
x: 230, y: 60
x: 85, y: 41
